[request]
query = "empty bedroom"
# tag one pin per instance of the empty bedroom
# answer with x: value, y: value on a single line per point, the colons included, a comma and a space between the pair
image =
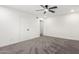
x: 39, y: 29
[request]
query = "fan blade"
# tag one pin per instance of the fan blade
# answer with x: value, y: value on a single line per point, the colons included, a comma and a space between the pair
x: 44, y: 12
x: 46, y: 6
x: 51, y: 11
x: 53, y: 7
x: 40, y: 10
x: 42, y: 6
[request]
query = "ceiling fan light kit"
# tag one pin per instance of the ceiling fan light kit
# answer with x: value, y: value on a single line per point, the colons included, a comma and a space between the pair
x: 47, y: 8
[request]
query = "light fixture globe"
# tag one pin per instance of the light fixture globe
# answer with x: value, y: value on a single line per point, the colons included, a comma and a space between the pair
x: 72, y: 10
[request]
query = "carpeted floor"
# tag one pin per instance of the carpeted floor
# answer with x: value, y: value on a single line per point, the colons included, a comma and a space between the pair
x: 43, y: 45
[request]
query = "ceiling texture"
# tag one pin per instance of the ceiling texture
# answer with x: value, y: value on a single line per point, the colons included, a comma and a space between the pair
x: 62, y: 9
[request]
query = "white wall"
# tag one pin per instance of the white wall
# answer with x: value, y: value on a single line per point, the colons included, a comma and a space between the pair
x: 14, y: 25
x: 63, y: 26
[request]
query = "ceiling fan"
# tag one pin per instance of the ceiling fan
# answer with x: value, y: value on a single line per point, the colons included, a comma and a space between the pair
x: 46, y: 9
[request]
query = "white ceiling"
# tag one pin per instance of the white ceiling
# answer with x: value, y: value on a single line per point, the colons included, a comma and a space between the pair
x: 62, y: 9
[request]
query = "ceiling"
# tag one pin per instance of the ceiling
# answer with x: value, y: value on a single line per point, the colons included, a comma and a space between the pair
x: 62, y: 9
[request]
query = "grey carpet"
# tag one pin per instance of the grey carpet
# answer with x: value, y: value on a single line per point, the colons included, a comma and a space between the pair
x: 43, y: 45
